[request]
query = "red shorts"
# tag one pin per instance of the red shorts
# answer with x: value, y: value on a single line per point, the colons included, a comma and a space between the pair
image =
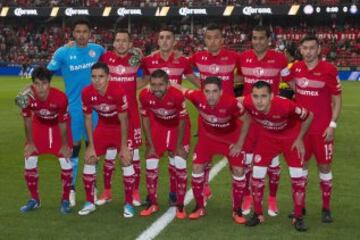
x: 268, y: 146
x: 47, y: 138
x: 134, y: 134
x: 106, y: 137
x: 315, y: 144
x: 165, y: 137
x: 251, y: 137
x: 209, y: 145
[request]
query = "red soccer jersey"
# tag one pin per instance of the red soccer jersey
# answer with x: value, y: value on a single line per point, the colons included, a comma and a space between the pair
x: 313, y: 90
x: 175, y: 68
x: 269, y: 69
x: 219, y: 119
x: 51, y: 111
x: 221, y: 65
x: 167, y: 110
x: 123, y: 73
x: 283, y: 118
x: 108, y: 106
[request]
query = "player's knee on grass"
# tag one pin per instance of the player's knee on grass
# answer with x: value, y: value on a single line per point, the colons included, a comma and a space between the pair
x: 65, y: 164
x: 296, y: 172
x: 31, y: 162
x: 259, y: 172
x: 198, y: 168
x: 237, y: 171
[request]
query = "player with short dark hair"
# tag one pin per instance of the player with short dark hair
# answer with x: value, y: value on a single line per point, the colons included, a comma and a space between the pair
x: 110, y: 136
x: 47, y: 131
x: 223, y: 126
x: 75, y: 62
x: 164, y: 114
x: 282, y: 126
x: 318, y: 88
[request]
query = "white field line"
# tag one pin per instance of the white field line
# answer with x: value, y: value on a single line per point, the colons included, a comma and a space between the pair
x: 165, y: 219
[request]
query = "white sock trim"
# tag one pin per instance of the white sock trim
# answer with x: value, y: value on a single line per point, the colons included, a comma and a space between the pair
x: 326, y: 176
x: 110, y: 154
x: 172, y: 161
x: 152, y: 163
x: 180, y: 163
x: 65, y: 164
x: 296, y: 172
x: 249, y: 158
x: 128, y: 171
x: 305, y: 172
x: 89, y: 169
x: 136, y: 154
x: 259, y: 172
x: 197, y: 175
x: 236, y: 178
x: 31, y: 162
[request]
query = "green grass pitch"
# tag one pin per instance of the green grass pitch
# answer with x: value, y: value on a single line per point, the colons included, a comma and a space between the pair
x: 107, y: 222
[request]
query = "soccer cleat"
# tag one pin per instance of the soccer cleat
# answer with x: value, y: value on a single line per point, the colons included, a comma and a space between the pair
x: 65, y: 207
x: 255, y: 220
x: 106, y: 197
x: 238, y: 217
x: 299, y: 224
x: 172, y: 199
x: 291, y: 215
x: 151, y: 209
x: 136, y: 198
x: 180, y: 212
x: 72, y: 198
x: 30, y: 205
x: 197, y: 213
x: 326, y: 216
x: 246, y: 206
x: 129, y: 210
x: 87, y: 209
x: 273, y: 210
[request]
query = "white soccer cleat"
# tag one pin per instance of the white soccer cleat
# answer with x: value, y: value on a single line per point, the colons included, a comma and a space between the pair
x: 87, y: 209
x: 72, y: 198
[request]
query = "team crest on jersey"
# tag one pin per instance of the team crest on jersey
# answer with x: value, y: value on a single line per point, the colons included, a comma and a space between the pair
x: 44, y: 112
x: 92, y: 53
x: 212, y: 119
x: 214, y: 68
x: 104, y: 107
x: 258, y: 72
x: 120, y: 69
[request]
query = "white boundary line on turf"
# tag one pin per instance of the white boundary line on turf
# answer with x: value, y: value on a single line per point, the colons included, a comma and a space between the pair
x: 165, y: 219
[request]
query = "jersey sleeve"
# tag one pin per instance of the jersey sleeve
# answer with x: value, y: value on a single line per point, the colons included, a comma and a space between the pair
x: 182, y: 106
x: 237, y: 109
x: 86, y: 105
x: 191, y: 95
x: 63, y: 109
x: 56, y: 60
x: 238, y: 64
x: 26, y: 112
x: 145, y: 66
x: 121, y: 101
x: 334, y: 83
x: 285, y: 71
x: 297, y: 111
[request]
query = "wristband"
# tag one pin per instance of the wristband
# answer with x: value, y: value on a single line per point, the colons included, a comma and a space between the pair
x: 332, y: 124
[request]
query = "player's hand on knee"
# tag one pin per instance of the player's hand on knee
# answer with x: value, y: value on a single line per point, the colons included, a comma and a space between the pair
x: 328, y: 134
x: 29, y: 149
x: 125, y: 155
x: 299, y: 146
x: 235, y: 150
x: 180, y: 151
x: 90, y: 155
x: 65, y: 151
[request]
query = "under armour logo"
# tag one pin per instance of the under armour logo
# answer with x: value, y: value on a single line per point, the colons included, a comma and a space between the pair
x: 248, y: 60
x: 72, y: 57
x: 93, y: 98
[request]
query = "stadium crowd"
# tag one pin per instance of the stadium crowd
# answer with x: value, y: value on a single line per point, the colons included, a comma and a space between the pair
x: 20, y: 43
